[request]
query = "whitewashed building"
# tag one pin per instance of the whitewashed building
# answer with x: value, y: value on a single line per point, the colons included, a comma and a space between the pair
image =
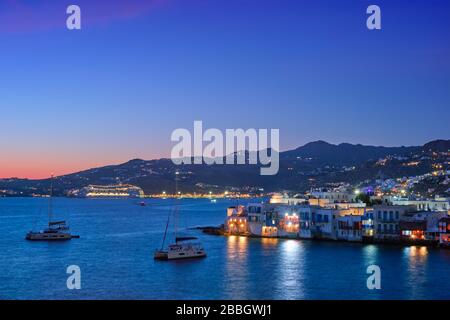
x: 349, y: 228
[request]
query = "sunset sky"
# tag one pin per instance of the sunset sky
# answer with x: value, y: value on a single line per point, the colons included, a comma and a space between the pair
x: 138, y: 69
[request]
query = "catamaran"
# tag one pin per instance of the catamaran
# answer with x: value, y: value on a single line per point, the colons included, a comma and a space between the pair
x: 56, y: 231
x: 184, y: 247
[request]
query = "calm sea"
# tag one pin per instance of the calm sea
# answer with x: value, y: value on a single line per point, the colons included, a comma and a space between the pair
x: 118, y: 237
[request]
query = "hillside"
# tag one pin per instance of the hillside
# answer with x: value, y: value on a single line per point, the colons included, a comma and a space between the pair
x: 313, y: 164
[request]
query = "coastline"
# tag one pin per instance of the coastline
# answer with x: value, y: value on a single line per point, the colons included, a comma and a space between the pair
x: 220, y: 231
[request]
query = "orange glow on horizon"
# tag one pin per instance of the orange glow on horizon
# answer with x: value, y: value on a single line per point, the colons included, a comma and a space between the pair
x: 26, y: 168
x: 39, y: 172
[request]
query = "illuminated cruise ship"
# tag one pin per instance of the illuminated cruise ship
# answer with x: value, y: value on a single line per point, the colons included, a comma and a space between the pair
x: 109, y: 191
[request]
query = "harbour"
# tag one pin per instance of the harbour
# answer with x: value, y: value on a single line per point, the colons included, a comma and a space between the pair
x: 118, y: 238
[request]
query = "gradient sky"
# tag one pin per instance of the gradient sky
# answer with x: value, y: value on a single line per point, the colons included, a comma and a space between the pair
x: 138, y: 69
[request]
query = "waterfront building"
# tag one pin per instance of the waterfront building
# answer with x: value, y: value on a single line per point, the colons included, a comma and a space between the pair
x: 356, y: 209
x: 421, y: 225
x: 433, y: 219
x: 265, y: 220
x: 305, y: 223
x: 108, y: 191
x: 349, y: 228
x: 318, y: 202
x: 279, y: 198
x: 386, y: 219
x: 236, y: 222
x: 444, y: 232
x: 324, y: 223
x: 235, y: 211
x: 413, y: 229
x: 326, y: 203
x: 269, y: 231
x: 281, y: 221
x: 289, y: 221
x: 333, y: 196
x: 368, y: 225
x: 335, y: 222
x: 438, y: 204
x: 272, y: 220
x: 256, y: 220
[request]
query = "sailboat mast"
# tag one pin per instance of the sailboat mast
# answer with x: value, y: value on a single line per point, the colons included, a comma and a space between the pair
x: 176, y: 205
x: 165, y: 232
x: 174, y: 212
x: 50, y: 201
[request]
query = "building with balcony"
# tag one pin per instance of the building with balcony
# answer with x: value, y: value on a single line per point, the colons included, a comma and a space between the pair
x: 236, y: 222
x: 444, y: 232
x: 323, y: 223
x: 334, y: 196
x: 386, y: 220
x: 439, y: 204
x: 349, y: 228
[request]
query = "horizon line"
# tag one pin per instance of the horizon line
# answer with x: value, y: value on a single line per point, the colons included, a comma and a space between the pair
x: 219, y: 156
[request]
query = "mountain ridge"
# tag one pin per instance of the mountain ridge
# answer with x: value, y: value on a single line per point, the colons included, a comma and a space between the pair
x: 317, y: 161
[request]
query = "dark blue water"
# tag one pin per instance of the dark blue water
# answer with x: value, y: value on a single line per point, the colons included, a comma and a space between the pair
x: 118, y: 237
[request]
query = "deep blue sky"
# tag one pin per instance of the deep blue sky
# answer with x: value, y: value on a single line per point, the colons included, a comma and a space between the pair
x: 140, y: 69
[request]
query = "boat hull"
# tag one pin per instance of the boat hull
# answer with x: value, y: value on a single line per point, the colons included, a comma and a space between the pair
x: 186, y: 256
x: 160, y: 255
x: 48, y: 237
x: 179, y: 254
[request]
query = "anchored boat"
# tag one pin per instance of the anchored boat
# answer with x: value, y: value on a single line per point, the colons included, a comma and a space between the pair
x: 184, y: 247
x: 56, y: 231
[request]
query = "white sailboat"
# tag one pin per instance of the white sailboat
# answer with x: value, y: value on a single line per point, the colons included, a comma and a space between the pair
x: 56, y: 231
x: 184, y: 247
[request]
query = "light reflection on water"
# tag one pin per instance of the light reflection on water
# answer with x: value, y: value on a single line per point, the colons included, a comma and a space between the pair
x: 290, y: 271
x: 416, y: 254
x: 267, y: 243
x: 237, y: 268
x: 266, y: 267
x: 416, y: 260
x: 370, y: 254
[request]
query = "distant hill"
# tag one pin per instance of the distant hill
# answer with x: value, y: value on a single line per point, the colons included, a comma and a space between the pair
x: 344, y: 153
x: 313, y: 164
x: 437, y: 146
